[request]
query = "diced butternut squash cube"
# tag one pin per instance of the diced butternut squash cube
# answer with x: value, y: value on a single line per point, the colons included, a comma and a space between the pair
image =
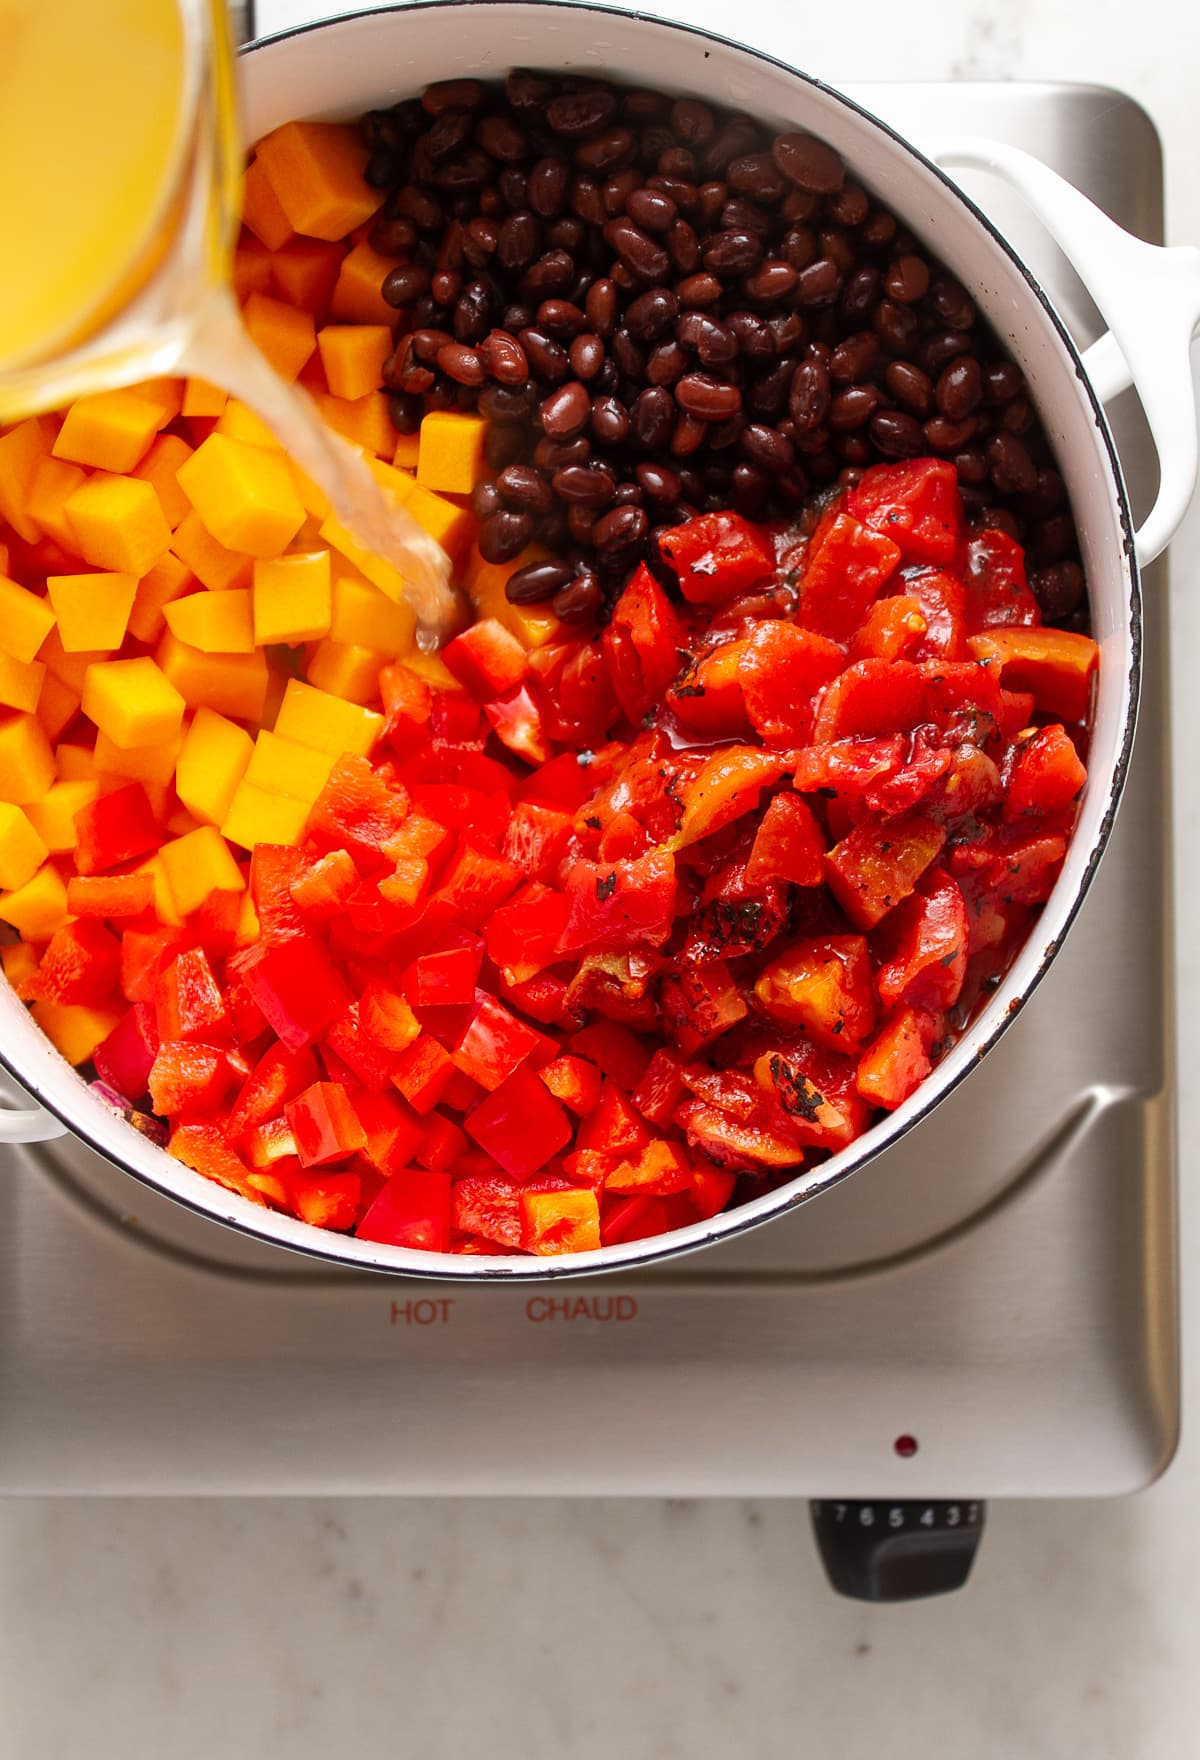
x: 244, y: 495
x: 21, y: 683
x: 293, y: 598
x: 200, y: 863
x: 118, y: 523
x: 366, y: 422
x: 316, y: 170
x: 452, y: 527
x: 433, y: 669
x: 451, y: 452
x: 238, y: 421
x: 26, y: 760
x: 232, y: 684
x: 261, y: 211
x: 76, y: 1031
x: 39, y: 907
x: 345, y: 671
x: 304, y: 273
x: 92, y: 609
x: 20, y: 962
x: 353, y: 356
x: 53, y: 481
x: 26, y: 619
x: 202, y: 399
x: 167, y: 580
x: 284, y: 333
x: 74, y: 763
x: 132, y: 701
x: 389, y: 580
x: 357, y: 298
x: 211, y: 763
x: 22, y: 848
x: 69, y: 669
x: 110, y: 431
x: 215, y: 567
x: 316, y: 502
x: 408, y: 449
x: 159, y: 468
x: 166, y: 394
x: 22, y: 449
x: 280, y: 766
x: 312, y: 717
x: 57, y: 705
x: 363, y: 617
x: 258, y: 817
x: 152, y: 763
x: 533, y: 625
x: 216, y: 623
x: 164, y: 899
x: 251, y: 267
x: 53, y: 816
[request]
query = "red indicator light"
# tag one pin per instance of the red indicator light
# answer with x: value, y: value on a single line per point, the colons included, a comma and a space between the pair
x: 905, y: 1447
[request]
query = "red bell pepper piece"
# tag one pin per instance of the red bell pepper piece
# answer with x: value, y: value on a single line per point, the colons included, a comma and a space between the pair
x: 870, y: 697
x: 877, y: 865
x: 456, y: 724
x: 81, y: 964
x: 144, y: 954
x: 564, y: 784
x: 423, y: 1073
x: 486, y: 659
x: 536, y: 839
x: 942, y: 598
x: 574, y: 1081
x: 321, y: 891
x: 639, y: 1218
x: 406, y: 699
x: 448, y: 977
x: 658, y: 1093
x: 522, y: 936
x: 188, y: 1001
x: 897, y: 1061
x: 278, y: 1076
x: 188, y: 1078
x: 823, y: 986
x: 412, y: 1210
x: 116, y: 828
x: 1025, y: 873
x: 788, y: 845
x: 203, y: 1148
x: 1046, y: 777
x: 997, y: 591
x: 780, y: 669
x: 265, y: 1144
x: 458, y: 807
x: 579, y: 705
x: 218, y: 923
x: 441, y: 1143
x: 620, y: 904
x: 620, y: 1054
x: 711, y: 1190
x: 493, y: 1043
x: 643, y: 645
x: 923, y: 948
x: 520, y: 1125
x: 489, y: 1206
x: 614, y: 1128
x: 708, y: 698
x: 324, y: 1124
x: 109, y: 895
x: 323, y: 1199
x: 273, y: 868
x: 296, y: 985
x: 744, y: 1142
x: 475, y: 883
x: 357, y: 811
x: 699, y: 1003
x: 517, y: 723
x: 126, y: 1057
x: 815, y: 1094
x: 393, y: 1130
x: 916, y: 504
x: 847, y: 566
x: 543, y: 998
x: 560, y: 1222
x: 728, y: 785
x: 1057, y: 665
x: 716, y: 556
x: 661, y: 1170
x: 892, y: 629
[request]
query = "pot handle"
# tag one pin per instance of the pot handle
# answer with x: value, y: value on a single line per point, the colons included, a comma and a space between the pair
x: 1148, y: 295
x: 29, y: 1125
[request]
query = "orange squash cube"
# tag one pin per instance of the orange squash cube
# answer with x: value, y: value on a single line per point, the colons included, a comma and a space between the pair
x: 22, y: 449
x: 243, y: 494
x: 39, y: 907
x: 159, y: 468
x: 53, y: 816
x: 92, y: 609
x: 258, y: 817
x: 214, y: 566
x: 118, y: 523
x: 197, y: 864
x: 26, y: 619
x: 450, y: 457
x: 211, y: 764
x: 133, y: 701
x: 353, y: 356
x: 316, y: 170
x: 231, y: 684
x: 167, y: 580
x: 21, y: 683
x: 110, y: 431
x: 57, y: 705
x: 285, y: 334
x: 26, y: 760
x: 216, y: 623
x: 356, y: 295
x: 53, y: 481
x: 304, y: 273
x: 261, y: 211
x: 293, y: 598
x: 22, y: 849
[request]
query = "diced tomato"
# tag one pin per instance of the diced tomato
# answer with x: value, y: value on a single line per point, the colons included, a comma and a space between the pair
x: 923, y: 947
x: 620, y: 904
x: 870, y: 697
x: 916, y: 504
x: 942, y: 599
x: 728, y: 785
x: 997, y: 590
x: 788, y: 845
x: 781, y: 668
x: 878, y: 865
x: 643, y: 645
x: 716, y: 556
x: 1046, y: 777
x: 824, y: 987
x: 847, y: 566
x: 897, y: 1061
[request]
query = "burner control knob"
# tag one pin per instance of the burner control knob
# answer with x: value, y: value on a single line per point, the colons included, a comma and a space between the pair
x: 889, y: 1551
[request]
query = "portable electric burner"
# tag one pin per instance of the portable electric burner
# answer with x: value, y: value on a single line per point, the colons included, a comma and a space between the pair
x: 987, y: 1310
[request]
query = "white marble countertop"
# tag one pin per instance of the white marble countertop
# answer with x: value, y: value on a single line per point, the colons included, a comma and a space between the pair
x: 303, y: 1628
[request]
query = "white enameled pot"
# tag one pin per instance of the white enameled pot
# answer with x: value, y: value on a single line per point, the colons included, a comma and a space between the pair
x: 1149, y: 297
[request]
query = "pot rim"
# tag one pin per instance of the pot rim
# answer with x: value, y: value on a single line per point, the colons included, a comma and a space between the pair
x: 727, y: 1224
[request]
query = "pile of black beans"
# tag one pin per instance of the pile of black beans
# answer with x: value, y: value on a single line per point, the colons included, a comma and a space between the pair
x: 662, y: 309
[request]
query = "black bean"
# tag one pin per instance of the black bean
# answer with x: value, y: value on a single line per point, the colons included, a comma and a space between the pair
x: 601, y: 307
x: 954, y: 307
x: 453, y: 94
x: 912, y: 389
x: 1058, y: 590
x: 756, y: 175
x: 1012, y: 469
x: 501, y: 139
x: 526, y: 90
x: 860, y: 294
x: 659, y: 483
x: 772, y: 280
x: 622, y: 529
x: 1002, y: 380
x: 392, y: 238
x: 960, y: 388
x: 753, y: 335
x: 536, y: 581
x: 617, y: 190
x: 808, y: 401
x: 683, y: 247
x: 576, y: 114
x: 652, y: 312
x: 651, y: 210
x: 565, y: 412
x: 706, y: 398
x: 645, y: 260
x: 693, y: 121
x: 943, y: 435
x: 852, y: 408
x: 907, y: 279
x: 547, y: 358
x: 405, y: 412
x: 697, y: 291
x: 590, y: 486
x: 731, y: 253
x: 405, y: 284
x: 819, y: 284
x: 610, y: 420
x: 653, y: 418
x: 504, y: 403
x: 586, y: 356
x: 665, y: 364
x: 520, y: 486
x: 855, y: 358
x: 579, y: 600
x: 808, y: 162
x: 550, y: 455
x: 767, y: 449
x: 504, y: 535
x: 504, y: 358
x: 897, y: 435
x: 896, y: 326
